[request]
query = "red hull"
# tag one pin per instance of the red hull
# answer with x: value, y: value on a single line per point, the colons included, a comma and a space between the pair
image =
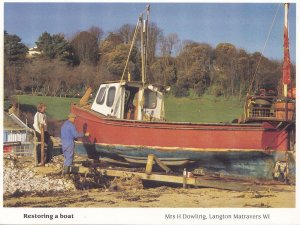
x: 192, y: 136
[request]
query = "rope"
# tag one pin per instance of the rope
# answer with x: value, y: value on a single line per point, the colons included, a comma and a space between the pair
x: 127, y: 60
x: 131, y: 47
x: 255, y: 73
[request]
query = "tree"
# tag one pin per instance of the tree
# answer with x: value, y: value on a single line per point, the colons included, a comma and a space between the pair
x: 242, y: 69
x: 219, y: 87
x: 14, y: 58
x: 225, y: 61
x: 194, y: 63
x: 181, y: 88
x: 163, y: 69
x: 14, y: 51
x: 156, y: 71
x: 110, y: 43
x: 97, y: 32
x: 45, y: 45
x: 162, y: 73
x: 126, y: 33
x: 86, y: 49
x: 117, y: 59
x: 167, y: 44
x: 55, y: 47
x: 154, y: 36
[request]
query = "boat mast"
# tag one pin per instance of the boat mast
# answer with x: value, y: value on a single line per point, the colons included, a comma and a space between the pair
x: 286, y: 71
x: 146, y: 38
x: 144, y: 41
x: 142, y: 48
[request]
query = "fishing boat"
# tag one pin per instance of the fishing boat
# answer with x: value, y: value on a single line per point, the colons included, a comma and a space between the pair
x: 126, y: 121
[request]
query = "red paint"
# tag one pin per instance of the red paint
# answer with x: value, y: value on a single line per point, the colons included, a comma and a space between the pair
x: 7, y: 149
x: 183, y: 135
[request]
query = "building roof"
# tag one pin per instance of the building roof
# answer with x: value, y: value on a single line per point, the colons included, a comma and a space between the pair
x: 12, y: 122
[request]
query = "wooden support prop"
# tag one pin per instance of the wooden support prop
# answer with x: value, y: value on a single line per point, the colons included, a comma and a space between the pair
x: 42, y: 145
x: 85, y: 98
x: 149, y: 164
x: 150, y: 160
x: 162, y: 165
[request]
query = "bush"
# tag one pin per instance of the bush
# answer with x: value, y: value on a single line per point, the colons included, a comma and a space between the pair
x: 200, y: 89
x: 180, y: 92
x: 181, y: 88
x: 217, y: 90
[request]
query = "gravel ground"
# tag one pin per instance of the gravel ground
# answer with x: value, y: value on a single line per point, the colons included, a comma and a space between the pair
x: 20, y: 178
x: 28, y: 186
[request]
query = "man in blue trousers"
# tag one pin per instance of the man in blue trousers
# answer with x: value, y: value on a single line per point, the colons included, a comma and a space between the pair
x: 68, y: 134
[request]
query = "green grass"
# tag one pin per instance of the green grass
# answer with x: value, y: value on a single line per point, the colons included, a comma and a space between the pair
x: 205, y: 109
x: 57, y: 108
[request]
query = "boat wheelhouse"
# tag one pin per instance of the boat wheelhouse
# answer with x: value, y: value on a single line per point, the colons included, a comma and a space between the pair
x: 130, y: 100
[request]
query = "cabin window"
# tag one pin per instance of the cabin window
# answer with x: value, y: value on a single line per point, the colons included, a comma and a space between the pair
x: 101, y: 96
x: 150, y: 99
x: 111, y: 96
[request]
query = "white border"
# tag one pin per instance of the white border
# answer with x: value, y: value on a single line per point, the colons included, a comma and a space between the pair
x: 138, y: 215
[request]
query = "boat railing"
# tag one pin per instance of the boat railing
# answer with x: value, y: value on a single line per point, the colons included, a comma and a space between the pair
x: 265, y: 112
x: 259, y: 109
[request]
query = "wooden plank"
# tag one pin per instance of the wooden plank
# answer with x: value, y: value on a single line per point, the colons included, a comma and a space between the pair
x: 144, y: 176
x: 162, y: 165
x: 223, y: 184
x: 235, y: 185
x: 203, y: 181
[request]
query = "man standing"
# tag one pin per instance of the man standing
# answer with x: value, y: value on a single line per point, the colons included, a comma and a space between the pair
x: 68, y: 134
x: 39, y: 124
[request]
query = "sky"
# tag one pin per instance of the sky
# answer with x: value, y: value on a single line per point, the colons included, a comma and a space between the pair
x: 246, y: 25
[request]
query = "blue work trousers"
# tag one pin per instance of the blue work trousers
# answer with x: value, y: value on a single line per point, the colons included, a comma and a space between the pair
x: 68, y: 155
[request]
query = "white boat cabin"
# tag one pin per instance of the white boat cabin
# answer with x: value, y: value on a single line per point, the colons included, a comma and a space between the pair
x: 130, y: 100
